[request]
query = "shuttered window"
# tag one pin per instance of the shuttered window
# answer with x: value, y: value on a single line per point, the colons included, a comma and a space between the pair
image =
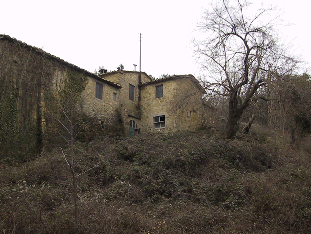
x: 159, y: 91
x: 131, y: 92
x: 99, y: 90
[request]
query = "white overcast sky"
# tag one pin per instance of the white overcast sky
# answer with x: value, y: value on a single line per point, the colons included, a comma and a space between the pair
x: 105, y: 33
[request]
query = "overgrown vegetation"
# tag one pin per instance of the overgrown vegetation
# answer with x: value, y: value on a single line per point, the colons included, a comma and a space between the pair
x: 63, y: 171
x: 180, y: 183
x: 20, y: 100
x: 40, y: 97
x: 240, y: 54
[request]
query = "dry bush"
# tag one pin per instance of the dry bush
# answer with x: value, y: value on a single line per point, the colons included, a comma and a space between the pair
x: 180, y: 183
x: 306, y: 144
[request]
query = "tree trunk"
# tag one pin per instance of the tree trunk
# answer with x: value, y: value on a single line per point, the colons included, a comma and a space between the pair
x: 232, y: 126
x: 234, y: 116
x: 249, y: 124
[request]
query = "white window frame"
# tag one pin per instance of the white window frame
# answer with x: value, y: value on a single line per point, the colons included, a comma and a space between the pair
x: 159, y: 121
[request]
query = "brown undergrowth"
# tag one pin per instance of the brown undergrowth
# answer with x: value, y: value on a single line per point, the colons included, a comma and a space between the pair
x: 179, y: 183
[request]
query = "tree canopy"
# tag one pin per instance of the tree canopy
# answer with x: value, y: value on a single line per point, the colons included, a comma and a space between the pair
x: 240, y: 52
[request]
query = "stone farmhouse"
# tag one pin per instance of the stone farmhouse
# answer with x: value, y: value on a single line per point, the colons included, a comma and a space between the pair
x: 33, y: 82
x: 163, y: 105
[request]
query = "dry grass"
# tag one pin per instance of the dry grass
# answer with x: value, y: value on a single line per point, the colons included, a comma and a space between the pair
x: 181, y: 183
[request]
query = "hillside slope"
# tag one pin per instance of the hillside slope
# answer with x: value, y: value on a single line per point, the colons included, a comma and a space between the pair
x: 181, y: 183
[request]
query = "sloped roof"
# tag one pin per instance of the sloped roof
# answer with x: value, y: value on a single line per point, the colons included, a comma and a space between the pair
x: 121, y: 72
x: 177, y: 77
x: 57, y: 59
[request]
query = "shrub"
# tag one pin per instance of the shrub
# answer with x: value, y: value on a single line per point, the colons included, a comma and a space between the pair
x: 178, y: 183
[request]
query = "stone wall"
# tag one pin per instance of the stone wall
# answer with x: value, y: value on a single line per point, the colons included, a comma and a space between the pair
x: 130, y: 109
x: 30, y: 83
x: 37, y: 89
x: 103, y: 109
x: 188, y: 106
x: 181, y: 105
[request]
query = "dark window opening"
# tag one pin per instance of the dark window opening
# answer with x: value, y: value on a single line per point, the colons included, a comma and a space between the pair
x: 131, y: 92
x: 99, y: 90
x: 132, y: 123
x: 134, y: 130
x: 115, y: 96
x: 159, y: 91
x: 159, y: 121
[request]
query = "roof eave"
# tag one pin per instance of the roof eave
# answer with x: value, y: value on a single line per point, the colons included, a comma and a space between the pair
x: 177, y: 77
x: 57, y: 59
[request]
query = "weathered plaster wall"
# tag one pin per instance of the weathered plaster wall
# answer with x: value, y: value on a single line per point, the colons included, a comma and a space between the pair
x: 28, y: 83
x: 37, y: 87
x: 188, y: 106
x: 130, y: 110
x: 103, y: 109
x: 36, y: 90
x: 181, y: 104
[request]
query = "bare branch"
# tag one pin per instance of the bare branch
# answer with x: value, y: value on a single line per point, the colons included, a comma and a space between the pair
x: 240, y: 52
x: 64, y: 155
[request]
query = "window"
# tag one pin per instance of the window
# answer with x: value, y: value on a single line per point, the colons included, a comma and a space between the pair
x: 132, y: 124
x: 131, y: 92
x: 115, y: 96
x: 99, y: 90
x: 159, y: 91
x: 159, y: 121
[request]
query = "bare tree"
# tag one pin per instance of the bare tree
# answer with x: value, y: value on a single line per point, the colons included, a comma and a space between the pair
x: 240, y: 52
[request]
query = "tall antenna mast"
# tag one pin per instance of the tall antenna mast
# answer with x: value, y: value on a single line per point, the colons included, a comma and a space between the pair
x: 139, y: 74
x: 140, y: 52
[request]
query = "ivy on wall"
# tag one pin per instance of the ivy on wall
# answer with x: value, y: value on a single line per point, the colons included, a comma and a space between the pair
x: 20, y: 78
x: 64, y: 107
x: 28, y: 99
x: 39, y: 96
